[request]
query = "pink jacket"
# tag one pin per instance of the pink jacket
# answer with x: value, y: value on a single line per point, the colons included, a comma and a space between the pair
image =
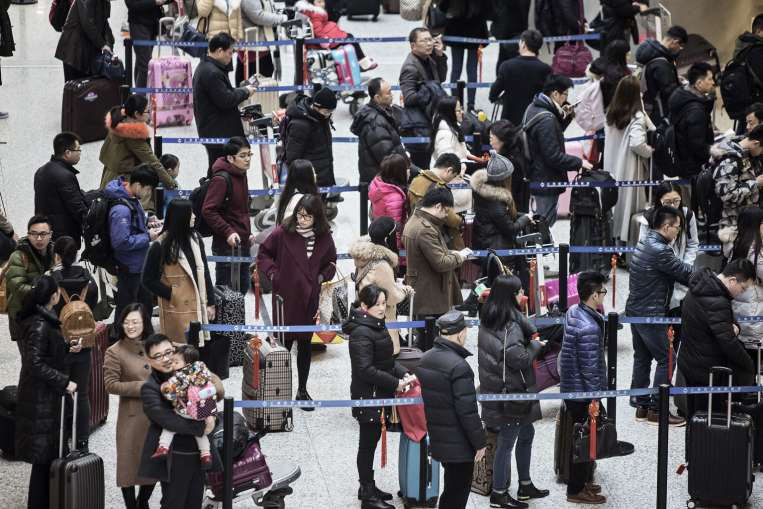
x: 388, y: 200
x: 322, y: 27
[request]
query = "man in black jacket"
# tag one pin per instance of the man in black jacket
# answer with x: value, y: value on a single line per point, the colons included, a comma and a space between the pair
x: 57, y: 194
x: 377, y: 130
x: 659, y: 72
x: 143, y: 17
x: 619, y: 19
x: 511, y: 19
x: 215, y: 101
x: 180, y: 474
x: 751, y: 43
x: 711, y: 331
x: 456, y: 434
x: 421, y: 77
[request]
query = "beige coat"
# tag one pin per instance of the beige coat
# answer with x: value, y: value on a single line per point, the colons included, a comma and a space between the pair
x: 125, y: 368
x: 376, y: 265
x: 222, y: 16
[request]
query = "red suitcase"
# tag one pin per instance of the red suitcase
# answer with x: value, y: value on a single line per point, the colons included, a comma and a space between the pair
x: 250, y: 472
x: 99, y: 398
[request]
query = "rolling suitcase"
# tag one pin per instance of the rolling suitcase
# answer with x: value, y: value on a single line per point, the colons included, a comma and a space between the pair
x: 391, y: 6
x: 99, y: 398
x: 268, y: 100
x: 171, y: 71
x: 482, y: 479
x: 85, y: 104
x: 562, y: 444
x: 720, y: 454
x: 250, y: 472
x: 418, y: 473
x: 363, y: 8
x: 347, y: 66
x: 76, y: 480
x: 231, y: 311
x: 409, y: 356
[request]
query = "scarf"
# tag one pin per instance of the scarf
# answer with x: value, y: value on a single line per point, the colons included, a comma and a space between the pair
x: 309, y: 236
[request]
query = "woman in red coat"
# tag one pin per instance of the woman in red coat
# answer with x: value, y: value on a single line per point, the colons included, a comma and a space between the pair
x: 304, y: 249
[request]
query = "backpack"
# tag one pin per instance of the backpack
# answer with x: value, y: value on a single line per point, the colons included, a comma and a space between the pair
x: 198, y: 196
x: 478, y: 129
x: 96, y: 230
x: 652, y: 98
x: 589, y: 113
x: 665, y: 154
x: 523, y: 134
x: 59, y: 10
x: 589, y: 226
x: 77, y: 320
x: 593, y: 201
x: 740, y: 86
x: 708, y: 201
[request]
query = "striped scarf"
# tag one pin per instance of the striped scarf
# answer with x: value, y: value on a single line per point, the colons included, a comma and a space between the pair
x: 309, y: 236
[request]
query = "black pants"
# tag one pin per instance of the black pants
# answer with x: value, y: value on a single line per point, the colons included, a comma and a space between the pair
x: 142, y: 53
x: 144, y: 494
x: 39, y: 486
x: 70, y: 73
x: 420, y: 154
x: 580, y: 473
x: 520, y: 190
x: 266, y: 68
x: 304, y: 355
x: 185, y: 488
x: 79, y: 373
x: 213, y: 152
x: 457, y: 483
x: 358, y: 50
x: 130, y: 290
x: 370, y: 433
x: 472, y: 66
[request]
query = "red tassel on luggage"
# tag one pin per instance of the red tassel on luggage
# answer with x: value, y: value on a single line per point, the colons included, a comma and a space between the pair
x: 256, y: 281
x: 531, y: 301
x: 255, y: 343
x: 383, y: 440
x: 671, y: 334
x: 480, y: 51
x: 614, y: 279
x: 593, y: 412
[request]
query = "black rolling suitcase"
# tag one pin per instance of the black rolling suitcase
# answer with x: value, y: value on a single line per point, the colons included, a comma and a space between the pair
x: 85, y: 104
x: 76, y: 480
x: 363, y: 8
x: 720, y: 454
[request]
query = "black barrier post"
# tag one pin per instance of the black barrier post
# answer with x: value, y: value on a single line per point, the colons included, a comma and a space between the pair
x: 430, y: 331
x: 228, y: 453
x: 612, y: 323
x: 158, y: 149
x: 124, y: 93
x: 662, y: 449
x: 194, y: 329
x: 460, y: 88
x: 363, y: 208
x: 299, y: 61
x: 159, y: 202
x: 128, y: 63
x: 564, y: 269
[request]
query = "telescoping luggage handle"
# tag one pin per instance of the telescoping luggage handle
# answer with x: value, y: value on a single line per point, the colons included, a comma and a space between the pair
x: 757, y: 368
x: 720, y: 370
x: 235, y: 269
x: 74, y: 425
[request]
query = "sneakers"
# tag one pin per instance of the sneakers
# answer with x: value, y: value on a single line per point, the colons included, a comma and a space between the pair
x: 302, y: 395
x: 641, y: 413
x: 368, y: 64
x: 653, y: 418
x: 161, y: 452
x: 586, y: 497
x: 501, y: 500
x: 528, y: 491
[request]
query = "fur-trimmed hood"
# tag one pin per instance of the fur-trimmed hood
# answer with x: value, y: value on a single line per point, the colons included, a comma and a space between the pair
x: 304, y: 5
x: 363, y: 251
x: 486, y: 190
x: 127, y: 129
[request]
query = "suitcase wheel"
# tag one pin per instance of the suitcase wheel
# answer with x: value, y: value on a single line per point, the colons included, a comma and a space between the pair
x: 691, y: 504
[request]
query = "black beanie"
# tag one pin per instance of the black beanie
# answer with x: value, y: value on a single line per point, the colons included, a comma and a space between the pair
x: 325, y: 98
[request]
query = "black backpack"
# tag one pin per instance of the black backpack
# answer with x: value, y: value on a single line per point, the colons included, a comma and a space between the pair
x: 589, y: 225
x: 708, y: 201
x: 740, y: 86
x: 96, y: 230
x: 665, y: 155
x: 593, y: 201
x: 198, y: 196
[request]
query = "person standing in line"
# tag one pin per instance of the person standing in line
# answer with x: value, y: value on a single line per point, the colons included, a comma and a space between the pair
x: 85, y: 34
x: 660, y: 71
x: 511, y: 19
x: 506, y: 141
x: 143, y: 17
x: 467, y: 19
x: 262, y: 15
x: 752, y: 43
x: 299, y: 182
x: 456, y: 435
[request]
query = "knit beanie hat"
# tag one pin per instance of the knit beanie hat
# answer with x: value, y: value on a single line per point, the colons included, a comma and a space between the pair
x: 325, y: 98
x: 498, y: 167
x: 380, y: 230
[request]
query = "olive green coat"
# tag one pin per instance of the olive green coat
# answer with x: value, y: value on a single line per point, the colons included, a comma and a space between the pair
x: 24, y: 267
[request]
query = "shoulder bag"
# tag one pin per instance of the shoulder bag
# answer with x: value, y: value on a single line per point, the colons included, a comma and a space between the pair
x: 600, y: 444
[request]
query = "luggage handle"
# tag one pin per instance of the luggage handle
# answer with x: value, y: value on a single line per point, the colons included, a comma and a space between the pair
x: 720, y: 370
x: 169, y: 22
x: 410, y: 319
x: 757, y: 368
x: 235, y: 269
x: 279, y: 319
x: 74, y: 425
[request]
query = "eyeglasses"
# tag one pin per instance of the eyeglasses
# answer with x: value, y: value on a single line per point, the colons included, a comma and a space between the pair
x: 162, y: 356
x: 603, y: 291
x: 38, y: 235
x: 673, y: 203
x: 302, y: 215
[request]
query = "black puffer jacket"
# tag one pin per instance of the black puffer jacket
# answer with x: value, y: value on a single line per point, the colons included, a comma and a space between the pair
x: 308, y: 136
x: 57, y: 195
x: 708, y: 324
x: 511, y: 18
x: 215, y: 101
x: 450, y: 403
x: 660, y: 73
x: 144, y: 12
x: 375, y: 374
x: 377, y: 130
x: 493, y: 227
x: 550, y: 162
x: 620, y: 16
x: 653, y: 270
x: 691, y: 115
x: 43, y: 380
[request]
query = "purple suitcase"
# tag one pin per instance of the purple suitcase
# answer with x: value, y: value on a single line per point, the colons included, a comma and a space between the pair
x: 171, y: 72
x: 250, y: 472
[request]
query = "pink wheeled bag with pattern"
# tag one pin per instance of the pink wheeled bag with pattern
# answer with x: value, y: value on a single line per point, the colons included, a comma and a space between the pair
x: 171, y: 71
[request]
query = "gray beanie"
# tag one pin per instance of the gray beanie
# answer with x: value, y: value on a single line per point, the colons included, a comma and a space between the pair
x: 498, y: 167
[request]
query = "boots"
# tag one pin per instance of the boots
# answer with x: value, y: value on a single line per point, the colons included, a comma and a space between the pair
x: 379, y: 493
x: 370, y: 497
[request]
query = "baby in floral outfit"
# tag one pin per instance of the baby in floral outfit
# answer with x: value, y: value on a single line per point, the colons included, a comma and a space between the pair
x: 191, y: 391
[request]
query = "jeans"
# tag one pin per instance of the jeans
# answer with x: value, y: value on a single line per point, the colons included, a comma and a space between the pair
x: 650, y: 342
x: 185, y: 488
x: 79, y: 373
x: 472, y: 64
x: 457, y: 481
x: 370, y: 433
x: 579, y: 473
x: 223, y: 272
x: 129, y: 290
x: 545, y: 206
x: 523, y: 435
x: 39, y: 486
x: 142, y: 53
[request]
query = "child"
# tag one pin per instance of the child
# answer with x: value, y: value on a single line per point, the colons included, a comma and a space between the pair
x: 191, y: 390
x: 325, y: 29
x: 171, y: 163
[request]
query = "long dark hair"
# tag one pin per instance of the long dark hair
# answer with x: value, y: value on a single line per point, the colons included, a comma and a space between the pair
x: 301, y: 179
x: 40, y: 294
x: 119, y: 327
x: 312, y: 204
x: 499, y: 309
x: 509, y: 134
x: 177, y: 229
x: 66, y: 248
x: 748, y: 234
x: 134, y: 104
x: 660, y: 191
x: 394, y: 170
x: 446, y: 110
x: 625, y: 103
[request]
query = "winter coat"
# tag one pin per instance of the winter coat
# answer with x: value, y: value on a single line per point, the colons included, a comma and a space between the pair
x: 378, y: 136
x: 708, y: 325
x: 462, y: 199
x: 660, y: 74
x: 511, y: 18
x: 388, y: 200
x: 450, y: 403
x: 611, y: 73
x: 282, y: 258
x: 754, y: 57
x: 749, y: 303
x: 74, y: 279
x: 308, y: 136
x: 127, y: 228
x: 125, y: 368
x: 690, y: 113
x: 653, y: 270
x: 25, y: 265
x: 375, y: 374
x: 376, y: 265
x: 466, y: 18
x: 262, y: 15
x: 620, y: 16
x: 493, y: 227
x: 446, y: 142
x: 431, y: 266
x: 323, y: 28
x: 225, y: 218
x: 5, y: 226
x: 58, y: 196
x: 215, y: 101
x: 84, y: 34
x: 43, y: 380
x: 583, y: 367
x: 222, y: 16
x: 550, y: 162
x: 735, y: 185
x: 512, y: 345
x: 417, y: 85
x: 625, y: 155
x: 145, y: 13
x: 518, y: 81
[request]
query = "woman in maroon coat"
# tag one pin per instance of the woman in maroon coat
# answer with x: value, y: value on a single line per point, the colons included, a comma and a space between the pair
x: 302, y: 246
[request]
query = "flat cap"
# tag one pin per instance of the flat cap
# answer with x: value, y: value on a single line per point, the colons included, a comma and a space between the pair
x: 451, y: 323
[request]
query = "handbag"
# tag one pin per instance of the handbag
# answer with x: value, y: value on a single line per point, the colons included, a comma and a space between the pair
x: 572, y: 60
x: 109, y: 66
x: 410, y: 10
x: 545, y: 366
x: 333, y: 307
x: 191, y: 34
x: 435, y: 19
x: 599, y: 445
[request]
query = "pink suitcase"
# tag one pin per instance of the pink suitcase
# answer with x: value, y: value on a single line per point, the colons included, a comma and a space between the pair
x: 575, y: 148
x: 347, y: 66
x: 171, y: 72
x: 552, y: 290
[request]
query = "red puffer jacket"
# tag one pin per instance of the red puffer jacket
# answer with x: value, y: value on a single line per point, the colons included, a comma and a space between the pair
x: 322, y: 27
